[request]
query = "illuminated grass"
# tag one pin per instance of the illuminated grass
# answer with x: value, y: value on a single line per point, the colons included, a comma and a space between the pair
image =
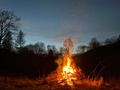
x: 8, y: 83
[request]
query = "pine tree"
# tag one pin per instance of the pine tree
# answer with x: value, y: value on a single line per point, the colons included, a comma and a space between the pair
x: 20, y: 41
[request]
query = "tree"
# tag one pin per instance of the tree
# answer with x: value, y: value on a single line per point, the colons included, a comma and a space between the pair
x: 30, y: 46
x: 108, y: 41
x: 112, y: 40
x: 39, y: 48
x: 7, y: 42
x: 52, y: 49
x: 118, y: 39
x: 61, y: 50
x: 8, y: 22
x: 20, y: 41
x: 81, y: 49
x: 94, y: 43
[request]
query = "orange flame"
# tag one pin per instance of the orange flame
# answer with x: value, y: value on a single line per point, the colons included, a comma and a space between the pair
x: 68, y: 72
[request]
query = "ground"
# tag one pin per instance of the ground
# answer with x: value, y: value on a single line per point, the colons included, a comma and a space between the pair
x: 24, y: 83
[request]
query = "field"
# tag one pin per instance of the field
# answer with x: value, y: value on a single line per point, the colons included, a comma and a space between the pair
x: 24, y: 83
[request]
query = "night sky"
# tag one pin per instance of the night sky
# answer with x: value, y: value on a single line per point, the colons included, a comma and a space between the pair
x: 52, y: 21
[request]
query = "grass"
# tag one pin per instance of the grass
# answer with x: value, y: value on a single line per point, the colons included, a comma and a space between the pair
x: 24, y: 83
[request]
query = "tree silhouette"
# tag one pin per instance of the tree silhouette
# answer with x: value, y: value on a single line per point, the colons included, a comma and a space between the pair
x: 39, y: 48
x: 94, y: 43
x: 81, y: 49
x: 112, y: 40
x: 118, y: 39
x: 8, y: 22
x: 20, y: 41
x: 7, y: 42
x: 51, y: 49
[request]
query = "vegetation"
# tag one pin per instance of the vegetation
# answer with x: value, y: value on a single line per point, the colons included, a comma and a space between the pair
x: 9, y: 23
x: 19, y: 42
x: 24, y: 83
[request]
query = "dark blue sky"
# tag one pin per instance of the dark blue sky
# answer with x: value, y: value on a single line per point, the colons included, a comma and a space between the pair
x: 52, y: 21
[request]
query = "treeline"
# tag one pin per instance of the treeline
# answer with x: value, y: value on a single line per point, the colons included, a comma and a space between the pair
x: 94, y: 43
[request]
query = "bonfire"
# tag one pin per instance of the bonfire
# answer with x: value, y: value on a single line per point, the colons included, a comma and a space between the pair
x: 68, y: 73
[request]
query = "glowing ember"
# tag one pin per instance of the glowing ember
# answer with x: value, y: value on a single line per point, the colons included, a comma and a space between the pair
x: 68, y: 71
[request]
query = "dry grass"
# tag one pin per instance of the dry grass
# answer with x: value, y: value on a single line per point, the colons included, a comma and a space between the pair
x: 10, y: 83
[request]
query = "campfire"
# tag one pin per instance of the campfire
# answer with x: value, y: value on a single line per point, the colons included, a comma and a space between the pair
x: 68, y: 73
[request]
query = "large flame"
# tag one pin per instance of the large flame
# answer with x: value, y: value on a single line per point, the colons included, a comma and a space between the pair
x: 66, y: 68
x: 67, y: 76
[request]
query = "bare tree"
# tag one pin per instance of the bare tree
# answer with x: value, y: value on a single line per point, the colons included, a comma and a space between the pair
x: 81, y: 49
x: 52, y: 48
x: 108, y: 41
x: 8, y: 22
x: 94, y: 43
x: 112, y: 40
x: 7, y: 42
x: 20, y: 41
x: 39, y: 48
